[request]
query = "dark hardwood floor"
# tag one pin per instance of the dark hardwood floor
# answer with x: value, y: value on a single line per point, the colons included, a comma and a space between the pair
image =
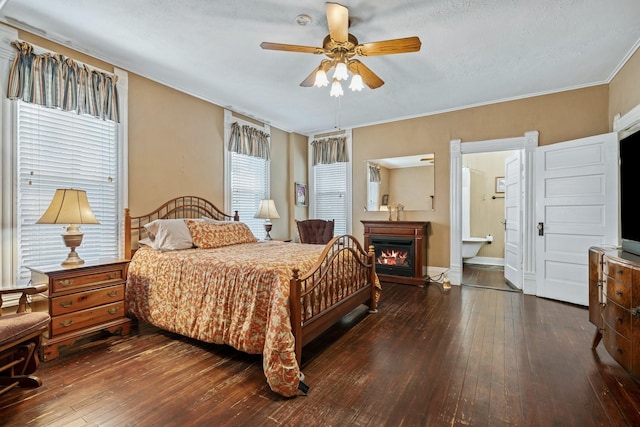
x: 467, y: 356
x: 486, y: 276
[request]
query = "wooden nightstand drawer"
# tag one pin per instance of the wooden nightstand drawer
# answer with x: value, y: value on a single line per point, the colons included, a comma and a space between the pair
x: 618, y: 319
x: 88, y: 279
x: 86, y: 299
x: 86, y: 318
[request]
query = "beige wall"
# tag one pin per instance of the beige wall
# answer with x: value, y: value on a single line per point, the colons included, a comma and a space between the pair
x: 624, y: 89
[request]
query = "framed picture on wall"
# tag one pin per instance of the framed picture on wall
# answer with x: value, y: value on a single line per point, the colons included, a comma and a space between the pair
x: 301, y: 194
x: 385, y: 200
x: 499, y: 184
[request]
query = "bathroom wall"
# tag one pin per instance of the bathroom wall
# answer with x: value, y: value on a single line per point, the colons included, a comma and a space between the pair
x: 487, y: 213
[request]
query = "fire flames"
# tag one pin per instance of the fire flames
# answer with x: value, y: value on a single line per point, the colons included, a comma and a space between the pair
x: 392, y: 257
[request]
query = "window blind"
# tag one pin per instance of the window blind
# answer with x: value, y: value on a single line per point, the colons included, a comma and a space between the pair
x: 331, y: 195
x: 58, y: 149
x: 249, y: 185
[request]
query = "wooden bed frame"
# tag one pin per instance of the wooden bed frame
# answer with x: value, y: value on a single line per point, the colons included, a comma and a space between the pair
x: 306, y: 288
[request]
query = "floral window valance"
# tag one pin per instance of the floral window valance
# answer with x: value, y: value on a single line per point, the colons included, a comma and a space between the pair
x: 330, y: 150
x: 53, y: 81
x: 249, y: 141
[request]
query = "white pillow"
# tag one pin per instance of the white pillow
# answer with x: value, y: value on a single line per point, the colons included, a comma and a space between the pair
x: 169, y: 234
x: 207, y: 219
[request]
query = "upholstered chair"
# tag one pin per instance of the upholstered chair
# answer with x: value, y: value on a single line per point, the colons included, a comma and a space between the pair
x: 20, y: 338
x: 316, y: 231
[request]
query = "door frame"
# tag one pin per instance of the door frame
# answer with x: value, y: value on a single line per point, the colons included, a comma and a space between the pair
x: 528, y: 143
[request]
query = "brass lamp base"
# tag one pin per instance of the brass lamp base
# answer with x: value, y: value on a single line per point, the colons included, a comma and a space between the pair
x: 72, y: 239
x: 267, y: 227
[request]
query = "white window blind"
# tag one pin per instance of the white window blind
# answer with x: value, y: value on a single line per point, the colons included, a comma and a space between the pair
x: 58, y: 149
x: 331, y: 196
x: 249, y: 185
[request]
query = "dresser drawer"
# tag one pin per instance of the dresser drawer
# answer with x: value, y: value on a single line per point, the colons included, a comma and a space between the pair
x: 87, y: 299
x: 618, y: 347
x: 619, y: 292
x: 618, y: 271
x: 86, y: 318
x: 90, y: 278
x: 618, y: 319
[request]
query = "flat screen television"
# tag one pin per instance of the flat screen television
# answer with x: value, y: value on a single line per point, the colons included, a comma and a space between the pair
x: 630, y: 193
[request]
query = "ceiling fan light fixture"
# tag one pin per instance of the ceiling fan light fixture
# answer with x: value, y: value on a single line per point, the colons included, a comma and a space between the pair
x: 341, y: 72
x: 336, y: 88
x: 321, y: 78
x: 356, y: 83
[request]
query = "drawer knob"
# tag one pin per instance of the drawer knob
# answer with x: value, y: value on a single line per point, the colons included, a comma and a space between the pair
x: 619, y: 319
x: 112, y: 310
x: 635, y: 311
x: 66, y: 282
x: 619, y: 293
x: 65, y: 304
x: 112, y: 294
x: 66, y: 323
x: 112, y: 276
x: 619, y: 350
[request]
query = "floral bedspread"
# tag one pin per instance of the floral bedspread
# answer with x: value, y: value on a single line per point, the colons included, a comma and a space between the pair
x: 235, y: 295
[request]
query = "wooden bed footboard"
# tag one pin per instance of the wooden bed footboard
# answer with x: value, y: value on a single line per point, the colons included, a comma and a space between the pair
x: 343, y: 278
x: 180, y: 207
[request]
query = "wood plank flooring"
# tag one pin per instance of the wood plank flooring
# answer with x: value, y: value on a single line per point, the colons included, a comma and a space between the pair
x: 467, y: 356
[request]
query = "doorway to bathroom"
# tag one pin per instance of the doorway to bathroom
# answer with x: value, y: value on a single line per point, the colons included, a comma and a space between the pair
x: 490, y: 219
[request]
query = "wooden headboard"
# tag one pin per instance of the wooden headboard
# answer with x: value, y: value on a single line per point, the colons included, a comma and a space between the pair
x: 180, y: 207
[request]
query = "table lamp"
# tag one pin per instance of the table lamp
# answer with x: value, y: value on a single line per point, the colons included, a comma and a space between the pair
x: 267, y: 210
x: 71, y: 207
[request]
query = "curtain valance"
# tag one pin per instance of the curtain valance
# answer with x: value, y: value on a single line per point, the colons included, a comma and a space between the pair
x: 249, y: 141
x: 53, y: 81
x: 374, y: 173
x: 330, y: 150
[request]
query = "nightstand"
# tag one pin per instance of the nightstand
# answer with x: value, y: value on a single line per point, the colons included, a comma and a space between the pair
x: 81, y: 300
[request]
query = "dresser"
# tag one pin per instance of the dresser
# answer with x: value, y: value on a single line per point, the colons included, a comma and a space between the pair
x: 614, y: 304
x: 81, y: 300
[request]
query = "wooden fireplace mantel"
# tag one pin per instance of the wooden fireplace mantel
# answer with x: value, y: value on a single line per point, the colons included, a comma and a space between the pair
x: 417, y: 230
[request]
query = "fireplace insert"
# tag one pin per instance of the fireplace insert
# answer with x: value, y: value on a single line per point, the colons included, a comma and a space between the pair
x: 394, y: 255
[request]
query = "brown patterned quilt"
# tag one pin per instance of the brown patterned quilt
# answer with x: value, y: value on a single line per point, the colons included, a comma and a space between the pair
x: 235, y: 295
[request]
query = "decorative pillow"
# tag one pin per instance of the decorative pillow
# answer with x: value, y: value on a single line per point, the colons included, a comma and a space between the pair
x: 207, y: 235
x: 169, y: 234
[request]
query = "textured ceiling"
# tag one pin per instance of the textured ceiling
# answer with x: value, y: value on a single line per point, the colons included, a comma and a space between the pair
x: 473, y: 52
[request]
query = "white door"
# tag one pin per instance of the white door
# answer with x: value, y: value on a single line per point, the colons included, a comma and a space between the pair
x: 576, y: 208
x: 512, y: 220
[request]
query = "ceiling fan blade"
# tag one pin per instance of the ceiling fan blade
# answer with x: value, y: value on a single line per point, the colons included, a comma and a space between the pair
x: 311, y: 78
x: 368, y: 77
x: 388, y: 47
x: 291, y: 47
x: 338, y: 20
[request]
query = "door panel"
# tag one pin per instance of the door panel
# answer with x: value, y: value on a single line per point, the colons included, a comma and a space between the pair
x: 577, y: 207
x: 513, y: 220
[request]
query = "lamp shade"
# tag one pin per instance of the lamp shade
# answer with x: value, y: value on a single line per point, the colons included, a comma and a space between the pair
x: 267, y: 210
x: 68, y: 206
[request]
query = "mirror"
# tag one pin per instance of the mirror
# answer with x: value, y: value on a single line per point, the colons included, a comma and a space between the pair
x: 407, y: 180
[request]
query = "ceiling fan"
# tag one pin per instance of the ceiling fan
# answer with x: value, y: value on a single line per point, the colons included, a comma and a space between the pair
x: 341, y: 47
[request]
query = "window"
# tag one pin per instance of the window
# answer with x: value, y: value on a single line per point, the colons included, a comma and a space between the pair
x: 59, y: 149
x: 249, y: 185
x: 331, y: 192
x: 246, y: 176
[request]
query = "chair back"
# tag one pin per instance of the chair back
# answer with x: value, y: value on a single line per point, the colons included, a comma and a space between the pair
x: 315, y: 231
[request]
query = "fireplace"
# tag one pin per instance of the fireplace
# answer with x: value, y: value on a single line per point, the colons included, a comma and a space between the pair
x: 394, y: 255
x: 400, y: 250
